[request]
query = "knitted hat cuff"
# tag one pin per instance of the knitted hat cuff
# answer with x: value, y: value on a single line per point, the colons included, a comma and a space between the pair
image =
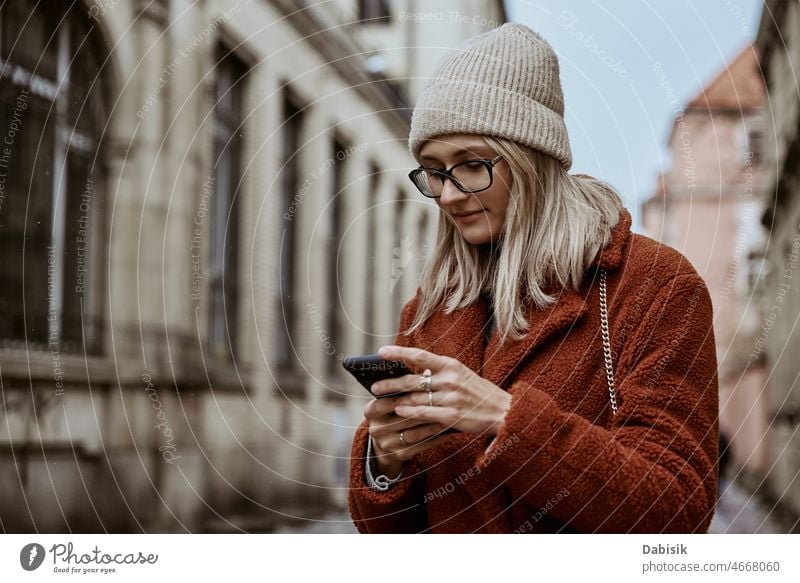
x: 455, y: 107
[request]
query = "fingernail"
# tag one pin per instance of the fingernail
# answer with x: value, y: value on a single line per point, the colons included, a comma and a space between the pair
x: 383, y: 351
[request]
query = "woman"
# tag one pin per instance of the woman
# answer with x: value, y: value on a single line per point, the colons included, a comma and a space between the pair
x: 574, y: 360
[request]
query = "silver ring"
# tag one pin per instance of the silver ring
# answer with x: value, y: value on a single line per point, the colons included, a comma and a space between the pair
x: 403, y: 439
x: 426, y: 380
x: 430, y: 398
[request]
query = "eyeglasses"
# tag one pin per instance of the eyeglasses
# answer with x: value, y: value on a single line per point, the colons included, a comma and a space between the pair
x: 470, y: 176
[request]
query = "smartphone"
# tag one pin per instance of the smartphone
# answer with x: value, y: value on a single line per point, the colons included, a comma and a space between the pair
x: 371, y: 368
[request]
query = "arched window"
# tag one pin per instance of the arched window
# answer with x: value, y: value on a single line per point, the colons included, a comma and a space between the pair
x: 51, y: 121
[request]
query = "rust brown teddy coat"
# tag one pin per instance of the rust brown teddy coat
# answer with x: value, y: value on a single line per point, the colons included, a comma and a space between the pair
x: 563, y: 462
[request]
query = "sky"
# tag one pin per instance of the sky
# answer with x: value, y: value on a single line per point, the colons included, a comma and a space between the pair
x: 627, y: 67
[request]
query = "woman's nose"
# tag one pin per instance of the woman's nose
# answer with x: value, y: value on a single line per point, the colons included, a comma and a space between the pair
x: 450, y: 193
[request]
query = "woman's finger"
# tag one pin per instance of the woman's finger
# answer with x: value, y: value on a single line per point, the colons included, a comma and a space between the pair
x: 408, y: 452
x: 425, y: 414
x: 390, y: 441
x: 419, y: 433
x: 394, y: 425
x: 407, y: 383
x: 437, y: 399
x: 377, y: 408
x: 418, y: 357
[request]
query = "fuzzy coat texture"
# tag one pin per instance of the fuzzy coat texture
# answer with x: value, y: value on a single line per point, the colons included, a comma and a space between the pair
x: 562, y: 462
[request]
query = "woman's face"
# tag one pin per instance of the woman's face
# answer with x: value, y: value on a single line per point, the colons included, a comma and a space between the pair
x: 486, y: 210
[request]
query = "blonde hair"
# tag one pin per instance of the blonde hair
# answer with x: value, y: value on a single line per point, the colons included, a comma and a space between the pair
x: 555, y: 225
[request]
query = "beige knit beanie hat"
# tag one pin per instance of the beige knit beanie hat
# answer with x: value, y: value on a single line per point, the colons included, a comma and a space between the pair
x: 504, y: 83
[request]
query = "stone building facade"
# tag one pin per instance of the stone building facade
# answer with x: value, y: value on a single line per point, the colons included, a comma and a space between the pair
x: 203, y: 208
x: 778, y: 41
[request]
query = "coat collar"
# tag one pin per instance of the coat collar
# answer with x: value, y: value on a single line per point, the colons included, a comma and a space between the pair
x: 461, y: 333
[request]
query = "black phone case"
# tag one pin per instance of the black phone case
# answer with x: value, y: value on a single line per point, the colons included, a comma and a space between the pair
x: 371, y: 368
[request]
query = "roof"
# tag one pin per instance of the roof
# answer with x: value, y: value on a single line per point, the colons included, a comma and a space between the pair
x: 738, y: 86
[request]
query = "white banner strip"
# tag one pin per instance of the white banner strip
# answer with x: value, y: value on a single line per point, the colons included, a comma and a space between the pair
x: 406, y: 558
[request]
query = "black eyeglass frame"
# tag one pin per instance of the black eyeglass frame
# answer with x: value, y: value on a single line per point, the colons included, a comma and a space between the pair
x: 489, y: 163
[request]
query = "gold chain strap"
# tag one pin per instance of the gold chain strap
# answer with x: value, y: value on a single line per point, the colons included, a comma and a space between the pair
x: 607, y: 341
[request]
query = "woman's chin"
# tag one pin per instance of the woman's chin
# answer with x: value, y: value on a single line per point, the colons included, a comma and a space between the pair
x: 476, y: 238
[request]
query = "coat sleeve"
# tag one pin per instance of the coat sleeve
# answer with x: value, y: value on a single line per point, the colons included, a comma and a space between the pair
x: 400, y: 509
x: 655, y: 468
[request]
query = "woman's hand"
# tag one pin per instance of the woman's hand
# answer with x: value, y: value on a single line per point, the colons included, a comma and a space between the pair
x: 385, y: 426
x: 460, y: 398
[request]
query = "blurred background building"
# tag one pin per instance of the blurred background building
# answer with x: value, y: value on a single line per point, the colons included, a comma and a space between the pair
x: 709, y: 206
x: 204, y: 207
x: 730, y: 203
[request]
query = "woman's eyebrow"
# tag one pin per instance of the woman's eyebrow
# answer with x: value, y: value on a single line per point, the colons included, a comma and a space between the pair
x: 460, y: 151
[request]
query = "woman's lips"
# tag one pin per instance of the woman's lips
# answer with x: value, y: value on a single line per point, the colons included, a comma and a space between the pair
x: 470, y: 217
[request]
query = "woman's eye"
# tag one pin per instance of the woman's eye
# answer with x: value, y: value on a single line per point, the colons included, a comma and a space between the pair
x: 473, y: 167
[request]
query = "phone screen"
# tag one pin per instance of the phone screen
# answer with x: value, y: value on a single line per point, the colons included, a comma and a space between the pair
x: 371, y: 368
